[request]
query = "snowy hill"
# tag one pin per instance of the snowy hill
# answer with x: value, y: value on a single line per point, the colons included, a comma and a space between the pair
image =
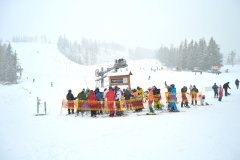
x: 200, y: 132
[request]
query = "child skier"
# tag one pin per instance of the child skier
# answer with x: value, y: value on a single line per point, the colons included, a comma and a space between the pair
x: 172, y: 97
x: 202, y: 98
x: 184, y: 97
x: 150, y: 100
x: 194, y: 93
x: 220, y: 93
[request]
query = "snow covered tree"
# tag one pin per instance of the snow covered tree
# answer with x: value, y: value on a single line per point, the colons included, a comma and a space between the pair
x: 2, y: 62
x: 203, y: 60
x: 214, y: 55
x: 83, y: 53
x: 231, y: 58
x: 8, y: 64
x: 191, y: 55
x: 183, y: 58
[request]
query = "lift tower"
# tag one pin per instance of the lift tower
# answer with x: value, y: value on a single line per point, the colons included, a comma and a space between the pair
x: 119, y: 63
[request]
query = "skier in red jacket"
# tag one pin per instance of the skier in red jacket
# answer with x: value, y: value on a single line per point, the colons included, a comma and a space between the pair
x: 92, y: 102
x: 110, y: 101
x: 220, y: 93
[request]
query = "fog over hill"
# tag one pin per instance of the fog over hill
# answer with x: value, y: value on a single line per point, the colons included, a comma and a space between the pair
x: 199, y: 132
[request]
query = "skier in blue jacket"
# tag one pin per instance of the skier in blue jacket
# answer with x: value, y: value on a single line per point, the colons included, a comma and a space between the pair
x: 99, y: 97
x: 215, y: 89
x: 172, y: 98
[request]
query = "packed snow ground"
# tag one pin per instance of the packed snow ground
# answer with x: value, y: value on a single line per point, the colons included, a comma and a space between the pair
x: 201, y: 132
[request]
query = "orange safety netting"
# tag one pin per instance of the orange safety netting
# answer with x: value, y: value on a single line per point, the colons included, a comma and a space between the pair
x: 132, y: 104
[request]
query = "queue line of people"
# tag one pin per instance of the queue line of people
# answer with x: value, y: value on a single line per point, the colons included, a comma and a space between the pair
x: 111, y: 101
x: 115, y: 101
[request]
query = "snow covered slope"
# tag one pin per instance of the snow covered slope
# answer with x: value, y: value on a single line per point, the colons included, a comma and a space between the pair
x: 201, y: 132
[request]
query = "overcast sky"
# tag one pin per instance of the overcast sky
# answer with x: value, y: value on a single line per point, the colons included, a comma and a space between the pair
x: 144, y: 23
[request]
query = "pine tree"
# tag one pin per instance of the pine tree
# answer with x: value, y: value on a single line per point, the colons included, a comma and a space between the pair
x: 183, y: 50
x: 180, y: 56
x: 13, y: 68
x: 195, y: 52
x: 203, y: 62
x: 8, y: 64
x: 2, y: 62
x: 191, y: 56
x: 231, y: 58
x: 215, y: 57
x: 9, y: 60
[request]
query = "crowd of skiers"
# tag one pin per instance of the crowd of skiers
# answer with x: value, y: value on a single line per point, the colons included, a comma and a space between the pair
x: 114, y: 100
x: 110, y: 101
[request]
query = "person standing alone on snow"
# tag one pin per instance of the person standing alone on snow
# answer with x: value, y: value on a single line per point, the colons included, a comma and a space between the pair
x: 237, y: 83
